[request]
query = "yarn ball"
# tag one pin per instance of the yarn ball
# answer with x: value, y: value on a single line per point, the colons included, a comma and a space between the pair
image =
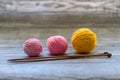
x: 83, y: 40
x: 32, y: 47
x: 57, y: 45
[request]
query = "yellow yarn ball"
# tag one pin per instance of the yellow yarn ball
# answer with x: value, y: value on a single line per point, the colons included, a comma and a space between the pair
x: 83, y: 40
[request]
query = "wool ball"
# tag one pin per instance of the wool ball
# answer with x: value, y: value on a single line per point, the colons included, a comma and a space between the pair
x: 57, y: 45
x: 83, y: 40
x: 32, y: 47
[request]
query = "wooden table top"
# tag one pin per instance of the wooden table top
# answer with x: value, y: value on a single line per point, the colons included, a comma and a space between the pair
x: 18, y: 23
x: 85, y: 68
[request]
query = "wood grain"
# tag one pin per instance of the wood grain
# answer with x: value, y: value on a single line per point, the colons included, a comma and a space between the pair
x: 101, y: 6
x: 58, y: 13
x: 97, y: 68
x: 23, y: 19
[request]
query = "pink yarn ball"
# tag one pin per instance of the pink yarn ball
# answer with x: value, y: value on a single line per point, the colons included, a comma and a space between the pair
x: 57, y: 45
x: 32, y: 47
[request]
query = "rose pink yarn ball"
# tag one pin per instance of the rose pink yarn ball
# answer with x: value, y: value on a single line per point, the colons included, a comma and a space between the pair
x: 57, y: 45
x: 32, y: 47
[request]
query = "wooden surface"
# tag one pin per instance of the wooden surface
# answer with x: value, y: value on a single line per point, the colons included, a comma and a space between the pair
x: 20, y: 20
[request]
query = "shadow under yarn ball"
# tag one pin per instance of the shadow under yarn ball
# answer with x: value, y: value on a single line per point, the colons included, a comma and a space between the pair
x: 83, y: 40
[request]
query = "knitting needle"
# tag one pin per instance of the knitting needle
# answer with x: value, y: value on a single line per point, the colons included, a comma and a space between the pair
x: 35, y: 59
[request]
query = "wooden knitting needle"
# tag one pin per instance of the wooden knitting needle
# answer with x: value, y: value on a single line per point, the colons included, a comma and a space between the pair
x: 50, y: 58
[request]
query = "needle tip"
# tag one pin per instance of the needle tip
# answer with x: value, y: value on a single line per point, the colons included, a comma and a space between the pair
x: 108, y: 54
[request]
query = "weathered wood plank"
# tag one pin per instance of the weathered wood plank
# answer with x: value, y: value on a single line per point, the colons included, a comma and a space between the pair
x: 101, y: 6
x: 11, y: 40
x: 57, y: 12
x: 24, y: 19
x: 60, y: 21
x: 90, y: 68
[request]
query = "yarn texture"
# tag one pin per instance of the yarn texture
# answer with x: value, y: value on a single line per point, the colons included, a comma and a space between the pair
x: 57, y: 45
x: 83, y: 40
x: 32, y: 47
